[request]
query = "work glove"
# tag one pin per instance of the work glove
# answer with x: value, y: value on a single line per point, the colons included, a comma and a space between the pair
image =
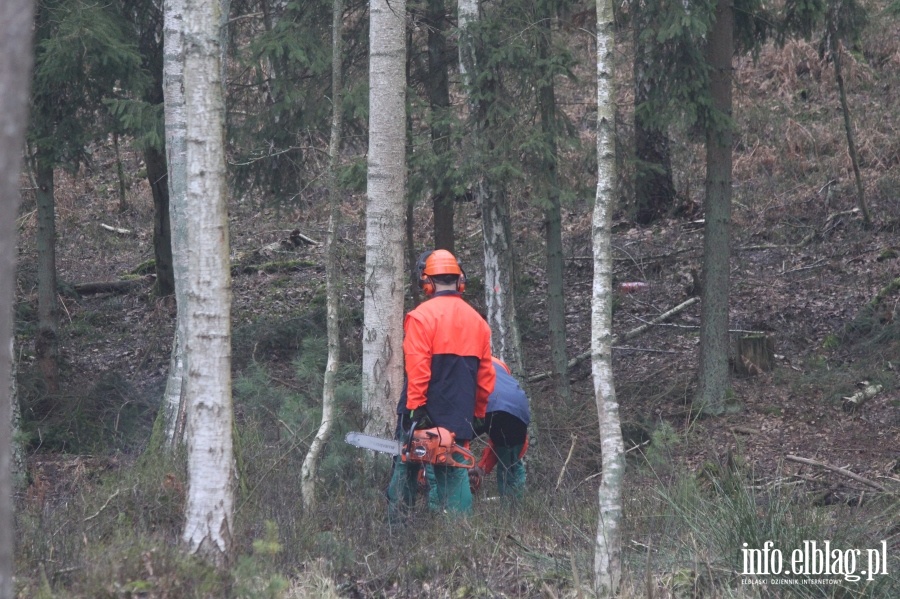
x: 476, y: 476
x: 420, y: 416
x: 479, y: 426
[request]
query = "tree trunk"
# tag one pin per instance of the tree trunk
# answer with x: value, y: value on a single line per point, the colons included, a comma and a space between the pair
x: 46, y: 345
x: 18, y: 462
x: 556, y: 301
x: 439, y: 98
x: 332, y: 279
x: 15, y: 78
x: 499, y: 276
x: 162, y: 232
x: 608, y: 542
x: 173, y: 408
x: 713, y: 375
x: 385, y: 209
x: 210, y: 502
x: 834, y: 47
x: 120, y: 173
x: 654, y: 190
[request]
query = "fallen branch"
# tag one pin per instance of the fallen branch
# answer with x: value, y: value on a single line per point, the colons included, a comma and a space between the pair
x: 118, y: 230
x: 303, y: 238
x: 108, y: 286
x: 745, y: 430
x: 566, y: 463
x: 841, y: 471
x: 111, y: 497
x: 856, y: 401
x: 620, y: 338
x: 817, y: 264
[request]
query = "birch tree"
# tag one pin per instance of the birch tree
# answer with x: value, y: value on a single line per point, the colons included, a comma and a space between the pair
x: 332, y: 296
x: 210, y: 502
x: 15, y: 75
x: 499, y: 273
x: 608, y: 545
x: 172, y: 411
x: 385, y: 209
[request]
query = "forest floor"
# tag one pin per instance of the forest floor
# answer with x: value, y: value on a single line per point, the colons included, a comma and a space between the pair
x: 804, y: 270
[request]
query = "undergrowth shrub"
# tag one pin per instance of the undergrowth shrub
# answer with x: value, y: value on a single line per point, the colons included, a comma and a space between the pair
x: 278, y: 415
x: 275, y: 338
x: 709, y: 521
x: 110, y: 416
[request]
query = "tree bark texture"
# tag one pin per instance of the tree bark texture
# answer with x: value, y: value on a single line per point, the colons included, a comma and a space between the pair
x: 654, y: 189
x: 162, y: 231
x: 120, y: 173
x: 439, y: 99
x: 499, y: 275
x: 172, y: 411
x: 210, y: 502
x: 18, y: 463
x: 556, y: 301
x: 713, y: 375
x: 385, y: 210
x: 15, y: 80
x: 608, y: 541
x: 332, y: 279
x: 46, y: 346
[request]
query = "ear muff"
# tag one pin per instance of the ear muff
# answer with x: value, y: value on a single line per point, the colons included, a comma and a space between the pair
x: 424, y: 281
x: 461, y: 281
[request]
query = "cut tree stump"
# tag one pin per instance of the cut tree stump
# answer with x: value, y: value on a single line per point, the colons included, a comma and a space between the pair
x: 755, y: 354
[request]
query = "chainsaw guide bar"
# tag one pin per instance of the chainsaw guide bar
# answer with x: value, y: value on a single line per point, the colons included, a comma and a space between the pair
x: 435, y: 446
x: 364, y: 441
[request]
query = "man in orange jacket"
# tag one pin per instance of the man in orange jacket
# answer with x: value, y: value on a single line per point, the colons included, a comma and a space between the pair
x: 449, y: 376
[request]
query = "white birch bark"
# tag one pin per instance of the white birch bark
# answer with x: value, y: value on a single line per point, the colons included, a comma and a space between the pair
x: 310, y: 462
x: 385, y: 212
x: 210, y: 502
x: 608, y: 545
x: 16, y: 20
x: 175, y: 127
x: 499, y: 290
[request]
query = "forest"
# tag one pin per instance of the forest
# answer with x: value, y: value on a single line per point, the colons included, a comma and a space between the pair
x: 681, y: 222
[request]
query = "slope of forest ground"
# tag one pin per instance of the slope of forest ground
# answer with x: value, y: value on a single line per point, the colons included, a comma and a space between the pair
x: 98, y: 521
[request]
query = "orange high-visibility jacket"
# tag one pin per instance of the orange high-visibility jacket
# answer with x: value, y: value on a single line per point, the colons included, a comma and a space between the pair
x: 447, y: 350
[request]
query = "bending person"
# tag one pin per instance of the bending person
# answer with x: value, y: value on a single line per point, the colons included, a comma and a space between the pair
x: 506, y: 424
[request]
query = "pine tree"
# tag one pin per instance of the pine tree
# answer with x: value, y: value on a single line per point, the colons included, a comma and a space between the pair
x: 82, y: 56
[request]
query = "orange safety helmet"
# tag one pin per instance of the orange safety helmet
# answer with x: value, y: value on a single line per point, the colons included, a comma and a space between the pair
x: 438, y: 262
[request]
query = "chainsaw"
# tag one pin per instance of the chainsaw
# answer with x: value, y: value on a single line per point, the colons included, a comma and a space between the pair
x: 435, y: 446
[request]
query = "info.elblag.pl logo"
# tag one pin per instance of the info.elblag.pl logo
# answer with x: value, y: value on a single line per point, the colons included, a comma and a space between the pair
x: 813, y: 559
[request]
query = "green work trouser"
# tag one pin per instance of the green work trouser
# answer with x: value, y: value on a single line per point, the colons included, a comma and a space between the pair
x: 510, y: 476
x: 510, y: 472
x: 449, y: 489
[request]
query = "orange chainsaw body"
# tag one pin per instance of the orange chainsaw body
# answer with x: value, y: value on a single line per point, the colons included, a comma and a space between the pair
x: 437, y: 446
